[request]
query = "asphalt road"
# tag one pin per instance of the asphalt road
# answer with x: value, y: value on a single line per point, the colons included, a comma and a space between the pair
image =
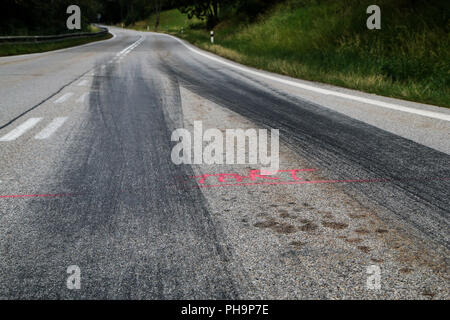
x: 87, y: 179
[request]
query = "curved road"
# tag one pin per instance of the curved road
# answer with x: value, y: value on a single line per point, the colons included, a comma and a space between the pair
x: 87, y: 179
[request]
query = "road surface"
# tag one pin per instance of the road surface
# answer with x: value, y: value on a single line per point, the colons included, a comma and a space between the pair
x: 86, y: 179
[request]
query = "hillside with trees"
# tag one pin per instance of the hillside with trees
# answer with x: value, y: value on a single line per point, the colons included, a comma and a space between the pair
x: 319, y: 40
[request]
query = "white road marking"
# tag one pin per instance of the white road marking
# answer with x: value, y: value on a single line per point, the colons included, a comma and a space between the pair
x: 426, y: 113
x: 64, y: 97
x: 24, y: 127
x: 51, y: 128
x: 82, y: 98
x: 83, y: 83
x: 131, y: 47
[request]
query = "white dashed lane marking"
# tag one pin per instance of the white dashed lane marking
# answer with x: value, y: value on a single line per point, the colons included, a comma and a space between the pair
x: 45, y: 133
x: 64, y: 97
x: 83, y: 83
x: 20, y: 130
x: 51, y: 128
x: 82, y: 98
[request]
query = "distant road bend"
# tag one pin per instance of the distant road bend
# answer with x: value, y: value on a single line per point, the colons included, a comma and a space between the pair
x: 86, y: 179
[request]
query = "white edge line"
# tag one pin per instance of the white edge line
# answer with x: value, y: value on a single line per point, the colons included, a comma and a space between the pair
x: 430, y: 114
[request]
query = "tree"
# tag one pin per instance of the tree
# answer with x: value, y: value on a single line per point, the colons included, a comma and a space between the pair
x: 49, y: 16
x: 203, y: 9
x: 41, y: 16
x: 157, y: 6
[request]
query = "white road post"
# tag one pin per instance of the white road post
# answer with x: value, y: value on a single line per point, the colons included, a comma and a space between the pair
x: 212, y: 36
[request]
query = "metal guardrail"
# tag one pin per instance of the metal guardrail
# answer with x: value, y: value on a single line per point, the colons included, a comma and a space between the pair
x: 25, y: 39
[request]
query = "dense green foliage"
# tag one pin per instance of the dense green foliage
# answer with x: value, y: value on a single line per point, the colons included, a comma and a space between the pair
x: 321, y: 40
x: 213, y: 10
x: 27, y: 17
x: 38, y: 17
x: 328, y: 41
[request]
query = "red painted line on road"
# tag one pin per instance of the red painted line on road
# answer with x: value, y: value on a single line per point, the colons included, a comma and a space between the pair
x: 254, y: 175
x: 293, y: 178
x: 297, y: 182
x: 323, y: 181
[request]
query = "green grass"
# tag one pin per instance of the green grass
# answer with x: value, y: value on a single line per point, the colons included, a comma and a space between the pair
x: 171, y: 21
x: 10, y: 49
x: 92, y: 28
x: 327, y: 41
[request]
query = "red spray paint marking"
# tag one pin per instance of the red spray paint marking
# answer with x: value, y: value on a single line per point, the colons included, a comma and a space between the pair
x: 296, y: 182
x: 325, y: 181
x: 294, y: 179
x: 253, y: 175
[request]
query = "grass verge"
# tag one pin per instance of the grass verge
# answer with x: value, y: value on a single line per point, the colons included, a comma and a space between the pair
x: 10, y: 49
x: 326, y: 41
